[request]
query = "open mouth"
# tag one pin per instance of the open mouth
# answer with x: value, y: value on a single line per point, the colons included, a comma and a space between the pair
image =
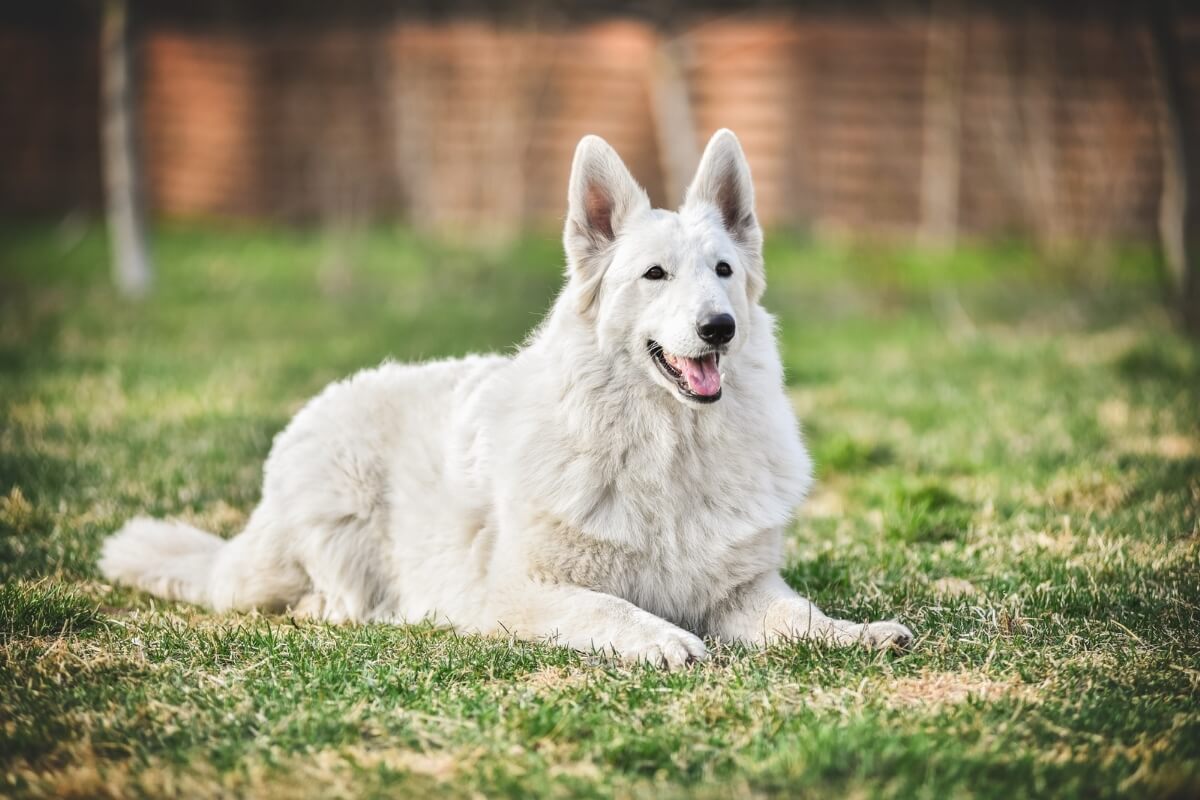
x: 696, y: 379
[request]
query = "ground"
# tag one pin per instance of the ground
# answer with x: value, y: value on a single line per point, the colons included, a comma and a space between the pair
x: 1008, y: 449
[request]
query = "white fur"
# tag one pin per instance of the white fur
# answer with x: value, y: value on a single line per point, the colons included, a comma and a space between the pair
x: 568, y: 492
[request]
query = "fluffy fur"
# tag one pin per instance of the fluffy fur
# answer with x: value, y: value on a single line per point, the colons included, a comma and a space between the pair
x: 572, y: 492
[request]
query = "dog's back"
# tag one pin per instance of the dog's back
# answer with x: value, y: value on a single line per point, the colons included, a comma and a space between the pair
x: 352, y: 464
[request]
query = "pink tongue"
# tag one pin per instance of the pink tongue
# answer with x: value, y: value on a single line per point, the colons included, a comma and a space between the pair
x: 701, y: 374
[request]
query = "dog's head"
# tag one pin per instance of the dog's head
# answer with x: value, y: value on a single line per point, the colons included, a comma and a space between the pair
x: 671, y: 290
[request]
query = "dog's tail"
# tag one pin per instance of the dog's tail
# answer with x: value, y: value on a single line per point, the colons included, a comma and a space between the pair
x: 169, y: 559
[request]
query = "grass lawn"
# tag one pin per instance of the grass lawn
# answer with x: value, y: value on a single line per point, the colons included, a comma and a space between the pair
x: 1009, y: 462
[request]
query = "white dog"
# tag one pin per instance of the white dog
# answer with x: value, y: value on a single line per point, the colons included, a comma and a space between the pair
x: 623, y: 483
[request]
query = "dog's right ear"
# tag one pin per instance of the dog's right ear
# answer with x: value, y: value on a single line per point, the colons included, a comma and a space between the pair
x: 723, y: 182
x: 601, y: 198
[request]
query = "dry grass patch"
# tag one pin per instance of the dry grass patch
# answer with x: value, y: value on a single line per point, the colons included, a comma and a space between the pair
x: 932, y: 690
x: 929, y: 692
x: 954, y: 588
x: 556, y: 679
x: 330, y: 773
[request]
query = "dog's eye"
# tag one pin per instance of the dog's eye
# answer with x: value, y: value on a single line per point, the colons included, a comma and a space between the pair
x: 723, y: 269
x: 655, y: 273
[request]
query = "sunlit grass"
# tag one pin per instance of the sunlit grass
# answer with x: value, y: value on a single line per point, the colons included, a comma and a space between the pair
x: 1008, y: 454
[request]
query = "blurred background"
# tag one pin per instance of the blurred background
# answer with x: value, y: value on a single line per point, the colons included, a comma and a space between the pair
x: 1061, y: 122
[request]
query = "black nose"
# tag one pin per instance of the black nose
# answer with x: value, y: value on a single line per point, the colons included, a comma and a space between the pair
x: 717, y: 329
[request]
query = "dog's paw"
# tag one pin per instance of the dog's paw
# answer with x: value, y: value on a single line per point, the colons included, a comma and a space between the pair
x: 672, y: 648
x: 878, y: 635
x: 310, y: 606
x: 315, y: 606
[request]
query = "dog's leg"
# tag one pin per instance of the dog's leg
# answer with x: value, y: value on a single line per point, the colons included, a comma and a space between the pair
x: 587, y: 620
x: 316, y: 606
x: 767, y: 610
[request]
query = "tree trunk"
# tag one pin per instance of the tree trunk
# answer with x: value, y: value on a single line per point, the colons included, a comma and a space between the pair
x: 126, y: 226
x: 1179, y: 205
x: 942, y: 126
x: 674, y: 122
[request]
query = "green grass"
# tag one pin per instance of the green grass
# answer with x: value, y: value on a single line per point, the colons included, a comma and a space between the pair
x: 1009, y: 461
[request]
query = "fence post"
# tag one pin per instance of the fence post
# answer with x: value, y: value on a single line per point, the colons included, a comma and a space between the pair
x: 126, y: 225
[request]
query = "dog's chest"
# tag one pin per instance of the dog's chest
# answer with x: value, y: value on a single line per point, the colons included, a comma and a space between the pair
x: 682, y: 580
x: 671, y: 512
x: 669, y: 570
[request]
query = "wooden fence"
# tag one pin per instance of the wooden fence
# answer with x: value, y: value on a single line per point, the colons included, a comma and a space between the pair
x: 925, y: 123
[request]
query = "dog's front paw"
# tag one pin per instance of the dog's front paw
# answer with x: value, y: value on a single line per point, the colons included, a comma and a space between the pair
x: 661, y: 646
x: 877, y: 635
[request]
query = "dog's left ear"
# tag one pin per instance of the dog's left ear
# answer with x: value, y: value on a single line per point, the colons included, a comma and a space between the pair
x: 723, y: 181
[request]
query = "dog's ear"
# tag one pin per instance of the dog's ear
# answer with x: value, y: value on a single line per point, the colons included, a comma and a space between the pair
x: 723, y: 181
x: 601, y: 198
